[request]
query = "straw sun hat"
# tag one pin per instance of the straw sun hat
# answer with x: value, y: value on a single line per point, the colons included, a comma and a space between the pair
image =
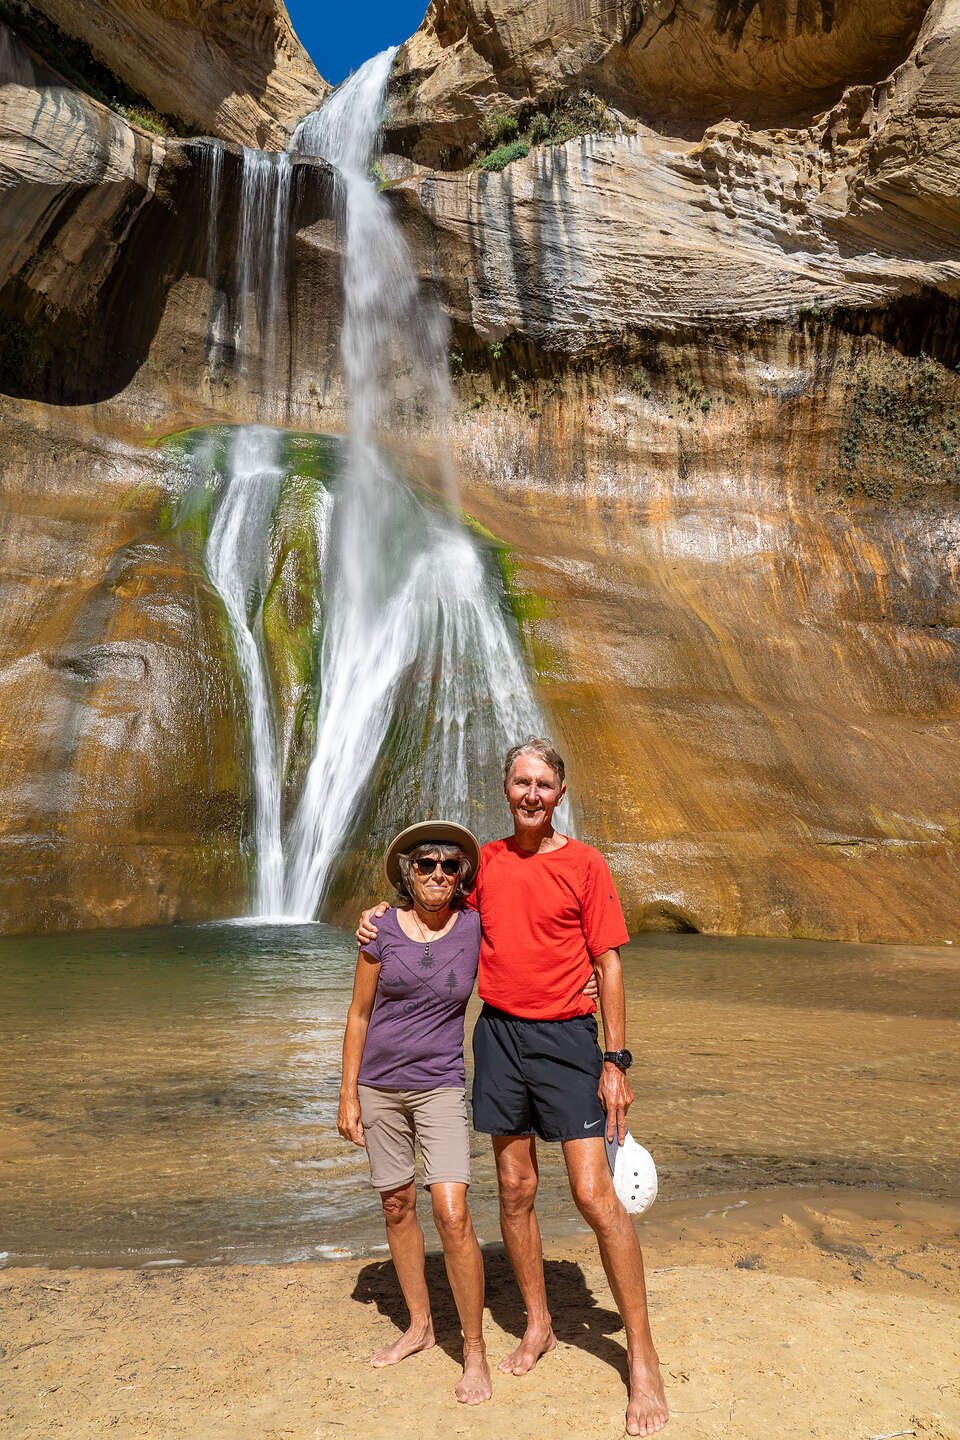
x: 438, y: 832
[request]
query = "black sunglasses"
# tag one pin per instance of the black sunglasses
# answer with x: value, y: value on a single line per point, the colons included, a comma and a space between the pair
x: 426, y: 865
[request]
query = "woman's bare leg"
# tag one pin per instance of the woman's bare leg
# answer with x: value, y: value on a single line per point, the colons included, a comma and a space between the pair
x: 406, y: 1246
x: 464, y: 1264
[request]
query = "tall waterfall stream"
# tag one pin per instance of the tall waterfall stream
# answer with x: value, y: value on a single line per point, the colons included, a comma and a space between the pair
x: 419, y: 684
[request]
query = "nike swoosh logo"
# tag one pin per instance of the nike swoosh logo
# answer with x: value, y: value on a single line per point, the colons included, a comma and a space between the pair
x: 592, y: 1123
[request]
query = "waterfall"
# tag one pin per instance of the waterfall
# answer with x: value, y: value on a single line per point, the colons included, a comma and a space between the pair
x: 261, y: 264
x: 220, y: 343
x: 412, y: 618
x: 214, y: 152
x: 420, y: 684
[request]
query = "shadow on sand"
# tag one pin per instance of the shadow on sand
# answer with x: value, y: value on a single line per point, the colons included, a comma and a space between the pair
x: 577, y: 1317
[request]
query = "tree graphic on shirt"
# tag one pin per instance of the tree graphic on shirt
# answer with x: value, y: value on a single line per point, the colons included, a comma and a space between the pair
x: 418, y: 975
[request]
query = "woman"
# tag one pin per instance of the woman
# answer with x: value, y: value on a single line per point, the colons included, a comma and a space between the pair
x: 403, y: 1075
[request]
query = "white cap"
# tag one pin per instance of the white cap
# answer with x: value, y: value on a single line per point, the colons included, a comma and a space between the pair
x: 634, y: 1174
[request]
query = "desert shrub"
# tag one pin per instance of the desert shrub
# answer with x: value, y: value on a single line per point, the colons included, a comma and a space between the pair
x: 147, y: 118
x: 539, y: 127
x: 581, y: 114
x: 500, y: 159
x: 499, y: 127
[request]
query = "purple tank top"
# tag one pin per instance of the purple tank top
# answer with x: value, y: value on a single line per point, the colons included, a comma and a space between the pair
x: 415, y: 1035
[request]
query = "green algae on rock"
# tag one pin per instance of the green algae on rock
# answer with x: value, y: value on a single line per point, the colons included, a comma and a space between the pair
x: 291, y: 605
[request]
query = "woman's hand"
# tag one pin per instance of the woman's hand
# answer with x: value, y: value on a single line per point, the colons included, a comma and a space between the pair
x: 591, y: 989
x: 367, y: 931
x: 348, y: 1120
x: 354, y: 1037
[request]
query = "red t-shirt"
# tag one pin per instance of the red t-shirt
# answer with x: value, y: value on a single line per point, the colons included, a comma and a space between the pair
x: 544, y: 918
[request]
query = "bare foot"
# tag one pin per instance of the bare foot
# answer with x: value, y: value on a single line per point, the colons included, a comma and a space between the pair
x: 536, y: 1342
x: 474, y: 1386
x: 418, y: 1337
x: 647, y: 1411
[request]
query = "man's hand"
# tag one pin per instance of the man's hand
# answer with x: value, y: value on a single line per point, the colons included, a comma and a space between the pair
x: 616, y: 1097
x: 366, y: 930
x: 348, y: 1120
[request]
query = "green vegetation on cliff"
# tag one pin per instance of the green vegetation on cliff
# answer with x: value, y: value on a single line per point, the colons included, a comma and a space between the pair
x: 900, y: 430
x: 499, y: 159
x: 509, y: 135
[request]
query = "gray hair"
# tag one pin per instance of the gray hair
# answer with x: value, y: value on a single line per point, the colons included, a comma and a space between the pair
x: 534, y: 745
x: 446, y: 852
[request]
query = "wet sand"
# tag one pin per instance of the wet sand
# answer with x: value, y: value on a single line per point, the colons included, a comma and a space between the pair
x: 831, y: 1313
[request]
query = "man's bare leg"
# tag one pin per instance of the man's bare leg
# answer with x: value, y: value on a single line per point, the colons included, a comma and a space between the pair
x: 406, y: 1246
x: 593, y: 1191
x: 464, y: 1263
x: 517, y: 1177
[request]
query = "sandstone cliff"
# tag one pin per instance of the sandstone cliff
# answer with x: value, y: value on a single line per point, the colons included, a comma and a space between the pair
x: 678, y: 65
x: 707, y: 396
x: 123, y: 761
x: 236, y: 70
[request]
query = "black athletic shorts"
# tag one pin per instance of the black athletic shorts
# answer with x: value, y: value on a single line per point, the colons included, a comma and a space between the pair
x: 536, y: 1077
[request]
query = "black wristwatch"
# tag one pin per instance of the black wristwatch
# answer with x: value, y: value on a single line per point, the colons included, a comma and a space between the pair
x: 621, y: 1058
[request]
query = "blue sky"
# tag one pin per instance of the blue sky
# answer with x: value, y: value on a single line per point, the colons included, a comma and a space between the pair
x: 339, y: 40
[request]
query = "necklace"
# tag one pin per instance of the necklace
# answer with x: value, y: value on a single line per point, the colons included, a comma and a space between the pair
x: 426, y: 959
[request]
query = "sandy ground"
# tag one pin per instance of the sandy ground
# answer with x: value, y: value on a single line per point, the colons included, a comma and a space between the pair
x: 784, y: 1313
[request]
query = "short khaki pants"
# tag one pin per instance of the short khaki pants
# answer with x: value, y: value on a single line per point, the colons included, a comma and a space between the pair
x: 438, y: 1119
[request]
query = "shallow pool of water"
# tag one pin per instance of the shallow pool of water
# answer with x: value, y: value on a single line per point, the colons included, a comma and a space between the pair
x: 171, y: 1094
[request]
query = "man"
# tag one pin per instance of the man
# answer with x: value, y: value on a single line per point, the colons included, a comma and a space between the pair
x: 549, y: 912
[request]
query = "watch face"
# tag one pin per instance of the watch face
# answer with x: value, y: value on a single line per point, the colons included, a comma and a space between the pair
x: 626, y: 1059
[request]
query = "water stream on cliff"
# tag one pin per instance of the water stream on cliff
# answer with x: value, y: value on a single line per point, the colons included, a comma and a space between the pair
x: 237, y: 559
x: 420, y: 684
x: 411, y: 613
x: 238, y: 546
x: 15, y: 65
x: 262, y: 262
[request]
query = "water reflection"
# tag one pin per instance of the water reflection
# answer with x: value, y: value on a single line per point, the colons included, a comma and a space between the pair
x: 171, y: 1094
